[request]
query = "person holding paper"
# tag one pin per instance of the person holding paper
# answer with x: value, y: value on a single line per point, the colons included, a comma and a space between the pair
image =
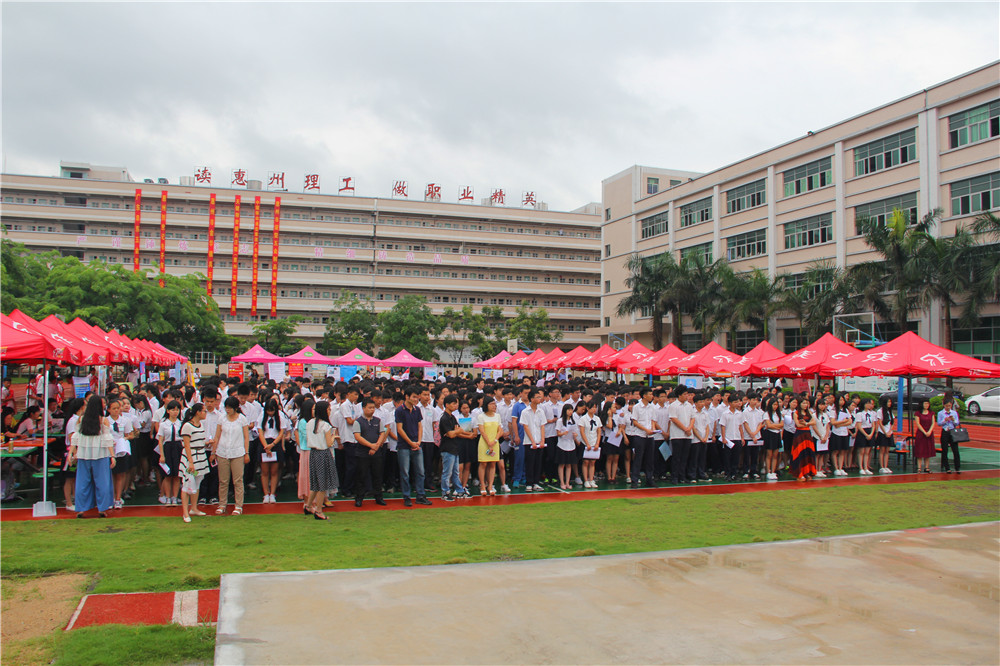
x: 615, y: 429
x: 488, y: 424
x: 532, y: 420
x: 731, y: 424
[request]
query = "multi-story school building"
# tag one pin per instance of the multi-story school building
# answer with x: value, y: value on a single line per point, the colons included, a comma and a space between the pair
x: 788, y: 207
x: 454, y: 254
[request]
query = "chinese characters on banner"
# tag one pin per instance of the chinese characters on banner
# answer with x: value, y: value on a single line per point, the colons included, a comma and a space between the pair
x: 239, y: 178
x: 466, y: 194
x: 312, y: 183
x: 136, y: 232
x: 256, y: 254
x: 528, y: 199
x: 203, y: 175
x: 346, y: 185
x: 497, y: 198
x: 236, y: 254
x: 433, y: 192
x: 276, y: 180
x: 274, y: 257
x: 399, y: 189
x: 163, y: 235
x: 211, y: 244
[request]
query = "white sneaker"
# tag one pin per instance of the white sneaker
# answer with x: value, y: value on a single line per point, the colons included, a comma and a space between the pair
x: 70, y: 507
x: 578, y: 481
x: 538, y: 488
x: 505, y: 488
x: 528, y: 489
x: 772, y: 476
x: 820, y: 475
x: 163, y: 500
x: 888, y: 471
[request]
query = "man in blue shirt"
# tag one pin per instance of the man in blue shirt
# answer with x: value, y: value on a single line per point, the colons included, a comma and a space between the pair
x: 517, y: 434
x: 411, y: 459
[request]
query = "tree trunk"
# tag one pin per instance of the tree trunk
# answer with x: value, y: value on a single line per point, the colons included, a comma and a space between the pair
x: 947, y: 335
x: 657, y: 330
x: 677, y: 327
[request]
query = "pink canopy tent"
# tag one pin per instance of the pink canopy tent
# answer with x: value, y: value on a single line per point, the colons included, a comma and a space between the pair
x: 808, y: 361
x: 541, y: 363
x: 652, y: 365
x: 404, y: 359
x: 309, y: 355
x: 585, y: 362
x: 491, y: 362
x: 713, y: 359
x: 634, y: 352
x: 257, y: 354
x: 353, y: 357
x: 909, y: 354
x: 516, y: 358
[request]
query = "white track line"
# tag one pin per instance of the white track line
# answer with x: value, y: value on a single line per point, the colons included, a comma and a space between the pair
x: 76, y: 613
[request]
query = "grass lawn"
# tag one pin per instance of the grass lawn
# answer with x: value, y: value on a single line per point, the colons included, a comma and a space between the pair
x: 164, y: 554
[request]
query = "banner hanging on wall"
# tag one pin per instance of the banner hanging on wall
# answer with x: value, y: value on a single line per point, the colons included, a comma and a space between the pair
x: 236, y: 255
x: 274, y: 257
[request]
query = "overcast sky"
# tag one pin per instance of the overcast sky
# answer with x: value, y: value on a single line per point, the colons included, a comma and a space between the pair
x: 545, y: 97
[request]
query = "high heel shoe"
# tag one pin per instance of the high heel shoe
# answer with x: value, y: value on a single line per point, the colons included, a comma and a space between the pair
x: 306, y: 511
x: 319, y: 515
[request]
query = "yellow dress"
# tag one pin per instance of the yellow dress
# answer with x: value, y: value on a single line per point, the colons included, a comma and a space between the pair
x: 489, y: 426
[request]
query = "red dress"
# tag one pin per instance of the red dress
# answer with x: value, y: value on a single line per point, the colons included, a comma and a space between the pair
x: 923, y: 445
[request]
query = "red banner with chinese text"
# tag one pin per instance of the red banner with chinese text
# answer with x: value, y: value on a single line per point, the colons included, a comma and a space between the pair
x: 256, y: 254
x: 211, y: 244
x: 163, y: 235
x: 236, y: 254
x: 274, y: 257
x: 136, y: 233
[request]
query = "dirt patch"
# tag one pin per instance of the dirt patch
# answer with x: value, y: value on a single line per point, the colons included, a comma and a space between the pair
x: 34, y: 607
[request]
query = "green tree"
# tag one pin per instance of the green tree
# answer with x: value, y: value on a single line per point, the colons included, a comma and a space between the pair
x: 746, y: 299
x: 984, y: 265
x: 179, y: 315
x: 458, y: 325
x: 275, y: 335
x: 697, y: 289
x: 650, y: 279
x: 409, y: 325
x: 352, y: 324
x: 488, y: 335
x: 950, y: 267
x: 823, y: 292
x: 890, y: 285
x: 531, y: 327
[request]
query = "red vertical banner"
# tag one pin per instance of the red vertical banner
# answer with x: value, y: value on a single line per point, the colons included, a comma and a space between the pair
x: 274, y: 257
x: 136, y: 233
x: 256, y: 254
x: 211, y: 244
x: 163, y: 235
x: 236, y: 255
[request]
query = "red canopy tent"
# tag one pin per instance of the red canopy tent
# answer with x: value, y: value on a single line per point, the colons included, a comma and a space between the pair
x: 257, y: 354
x: 516, y: 358
x: 88, y: 354
x: 85, y: 330
x: 713, y: 359
x: 652, y: 365
x: 68, y: 354
x: 566, y: 360
x: 525, y: 363
x: 353, y: 357
x: 808, y: 361
x: 404, y: 359
x: 909, y: 354
x: 587, y: 362
x: 633, y: 353
x: 20, y: 346
x: 541, y: 363
x: 491, y: 362
x: 113, y: 353
x: 764, y: 351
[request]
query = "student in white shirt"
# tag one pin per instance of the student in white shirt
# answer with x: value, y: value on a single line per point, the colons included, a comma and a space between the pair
x: 565, y: 445
x: 703, y: 426
x: 590, y: 433
x: 122, y: 432
x: 731, y: 423
x: 840, y: 425
x: 642, y: 447
x: 865, y: 425
x: 533, y: 420
x: 615, y: 427
x: 752, y: 438
x: 821, y: 433
x: 681, y: 424
x: 883, y: 438
x: 273, y: 427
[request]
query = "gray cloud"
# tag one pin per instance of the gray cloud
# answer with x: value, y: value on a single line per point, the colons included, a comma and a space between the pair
x: 550, y: 97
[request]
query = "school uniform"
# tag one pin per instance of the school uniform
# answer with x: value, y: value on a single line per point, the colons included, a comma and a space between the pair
x: 368, y: 466
x: 390, y: 459
x: 210, y: 485
x: 642, y: 444
x: 348, y: 410
x: 753, y: 446
x: 680, y: 441
x: 429, y: 418
x: 839, y: 435
x: 552, y: 411
x: 120, y: 429
x: 566, y: 441
x: 732, y: 432
x: 661, y: 419
x: 191, y: 481
x: 169, y: 436
x: 533, y: 423
x: 883, y: 437
x: 252, y: 411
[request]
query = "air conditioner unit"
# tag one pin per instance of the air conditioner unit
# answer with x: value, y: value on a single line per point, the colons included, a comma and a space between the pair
x: 162, y: 181
x: 147, y: 180
x: 187, y: 180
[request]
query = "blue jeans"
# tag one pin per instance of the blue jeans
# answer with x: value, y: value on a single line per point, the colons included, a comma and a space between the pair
x: 450, y: 479
x: 518, y: 473
x: 93, y: 481
x: 411, y: 462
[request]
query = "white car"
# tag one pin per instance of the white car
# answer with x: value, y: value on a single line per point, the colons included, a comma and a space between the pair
x: 987, y: 401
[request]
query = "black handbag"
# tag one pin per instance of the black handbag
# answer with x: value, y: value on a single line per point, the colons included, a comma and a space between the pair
x: 959, y: 435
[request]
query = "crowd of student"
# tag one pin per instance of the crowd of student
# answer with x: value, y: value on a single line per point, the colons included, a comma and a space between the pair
x: 370, y: 437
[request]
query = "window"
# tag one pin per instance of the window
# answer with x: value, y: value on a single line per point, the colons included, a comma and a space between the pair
x: 703, y: 250
x: 810, y: 231
x: 607, y: 250
x: 750, y: 195
x: 884, y: 153
x: 652, y: 185
x: 975, y: 195
x: 808, y: 177
x: 744, y: 246
x: 746, y: 340
x: 607, y: 286
x: 607, y: 214
x: 794, y: 340
x: 655, y: 225
x: 880, y: 210
x: 694, y: 213
x: 825, y: 282
x: 691, y: 341
x: 974, y: 125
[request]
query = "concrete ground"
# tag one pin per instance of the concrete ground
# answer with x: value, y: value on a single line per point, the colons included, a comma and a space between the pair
x: 926, y: 596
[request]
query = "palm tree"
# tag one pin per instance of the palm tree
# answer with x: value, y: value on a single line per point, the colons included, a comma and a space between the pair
x: 986, y: 261
x: 747, y: 299
x: 698, y: 294
x: 649, y: 278
x: 949, y: 268
x: 890, y: 285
